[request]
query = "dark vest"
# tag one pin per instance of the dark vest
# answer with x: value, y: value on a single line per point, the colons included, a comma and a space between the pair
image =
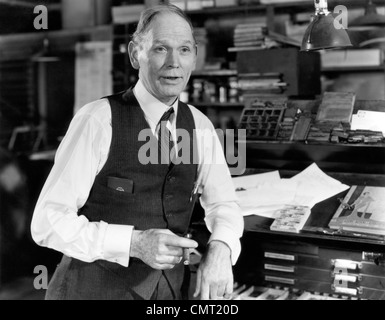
x: 160, y: 199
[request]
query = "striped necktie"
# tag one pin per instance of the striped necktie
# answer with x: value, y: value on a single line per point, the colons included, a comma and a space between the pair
x: 165, y: 141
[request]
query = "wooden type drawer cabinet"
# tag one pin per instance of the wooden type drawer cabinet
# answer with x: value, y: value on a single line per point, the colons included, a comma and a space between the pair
x: 317, y: 259
x: 311, y: 266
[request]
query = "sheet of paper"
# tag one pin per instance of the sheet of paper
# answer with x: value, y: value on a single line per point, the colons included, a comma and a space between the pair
x: 262, y: 211
x: 314, y: 173
x: 93, y: 79
x: 265, y: 195
x: 253, y: 180
x: 315, y: 186
x: 369, y: 120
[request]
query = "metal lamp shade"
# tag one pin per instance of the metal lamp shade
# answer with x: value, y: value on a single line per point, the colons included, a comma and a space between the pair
x: 322, y: 34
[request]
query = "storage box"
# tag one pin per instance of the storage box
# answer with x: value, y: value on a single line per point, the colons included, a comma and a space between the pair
x: 85, y: 13
x: 225, y: 3
x: 300, y: 70
x: 371, y: 57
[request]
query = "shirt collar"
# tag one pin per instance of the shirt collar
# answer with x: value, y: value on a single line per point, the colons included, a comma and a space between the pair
x: 152, y: 107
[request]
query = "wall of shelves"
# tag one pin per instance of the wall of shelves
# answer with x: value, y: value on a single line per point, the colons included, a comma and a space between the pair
x: 246, y: 7
x: 19, y: 74
x: 220, y: 37
x: 125, y: 76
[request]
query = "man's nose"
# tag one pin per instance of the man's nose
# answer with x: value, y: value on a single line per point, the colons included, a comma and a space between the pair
x: 172, y: 59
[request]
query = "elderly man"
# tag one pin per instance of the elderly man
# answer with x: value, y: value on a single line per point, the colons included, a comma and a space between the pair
x: 120, y: 223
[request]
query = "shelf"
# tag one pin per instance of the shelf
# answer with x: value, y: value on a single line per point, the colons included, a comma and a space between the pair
x: 226, y: 10
x: 254, y: 227
x: 295, y: 6
x: 354, y: 69
x: 218, y: 105
x: 254, y: 230
x: 315, y: 143
x: 214, y: 73
x: 290, y: 155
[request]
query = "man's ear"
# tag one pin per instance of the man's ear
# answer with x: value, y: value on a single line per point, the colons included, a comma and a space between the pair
x: 133, y: 54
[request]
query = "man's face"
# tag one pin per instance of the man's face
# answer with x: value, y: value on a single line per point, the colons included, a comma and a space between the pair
x: 166, y: 57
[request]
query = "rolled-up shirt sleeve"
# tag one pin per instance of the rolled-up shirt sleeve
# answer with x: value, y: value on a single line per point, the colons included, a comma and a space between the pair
x: 223, y: 215
x: 56, y: 223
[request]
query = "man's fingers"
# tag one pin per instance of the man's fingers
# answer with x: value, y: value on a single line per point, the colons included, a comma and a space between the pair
x: 159, y: 266
x: 221, y: 291
x: 175, y: 241
x: 205, y: 290
x: 214, y: 292
x: 172, y: 260
x: 229, y: 290
x: 205, y: 293
x: 174, y: 251
x: 198, y: 285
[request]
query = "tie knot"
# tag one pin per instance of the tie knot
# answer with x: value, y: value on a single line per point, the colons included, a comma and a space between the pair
x: 166, y: 116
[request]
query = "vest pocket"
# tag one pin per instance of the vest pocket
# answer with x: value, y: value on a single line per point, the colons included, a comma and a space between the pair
x: 121, y: 185
x: 114, y: 198
x: 119, y: 191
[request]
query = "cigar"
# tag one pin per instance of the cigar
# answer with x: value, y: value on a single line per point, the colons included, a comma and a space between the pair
x: 186, y: 252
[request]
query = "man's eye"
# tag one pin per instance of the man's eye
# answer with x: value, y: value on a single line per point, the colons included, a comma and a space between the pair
x: 185, y: 50
x: 160, y: 49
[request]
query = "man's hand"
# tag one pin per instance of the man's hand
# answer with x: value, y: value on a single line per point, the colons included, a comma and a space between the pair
x: 160, y: 249
x: 215, y: 274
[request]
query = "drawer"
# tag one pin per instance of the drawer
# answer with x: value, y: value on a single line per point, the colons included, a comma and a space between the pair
x: 362, y: 280
x: 365, y: 273
x: 298, y: 272
x: 349, y: 262
x: 298, y: 283
x: 339, y: 279
x: 351, y: 278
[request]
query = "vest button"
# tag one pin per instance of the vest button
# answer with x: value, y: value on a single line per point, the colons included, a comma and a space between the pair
x: 168, y: 196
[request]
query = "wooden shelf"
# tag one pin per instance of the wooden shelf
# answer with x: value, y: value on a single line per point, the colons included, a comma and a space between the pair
x: 316, y: 143
x: 218, y: 105
x: 253, y: 226
x: 214, y: 73
x: 289, y: 155
x: 354, y: 69
x: 279, y: 7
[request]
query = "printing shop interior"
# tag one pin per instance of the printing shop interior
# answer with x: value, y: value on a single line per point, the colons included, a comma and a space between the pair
x: 296, y: 93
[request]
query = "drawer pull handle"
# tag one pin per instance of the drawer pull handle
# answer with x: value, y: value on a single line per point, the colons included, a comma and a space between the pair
x: 274, y: 267
x: 349, y: 291
x: 280, y: 280
x: 347, y: 278
x: 279, y: 256
x: 346, y: 264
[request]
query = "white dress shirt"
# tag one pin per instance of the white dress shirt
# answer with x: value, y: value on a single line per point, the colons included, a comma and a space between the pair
x: 81, y: 156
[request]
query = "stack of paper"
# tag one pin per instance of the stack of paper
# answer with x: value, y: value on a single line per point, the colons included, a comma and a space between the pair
x: 291, y: 219
x: 369, y: 120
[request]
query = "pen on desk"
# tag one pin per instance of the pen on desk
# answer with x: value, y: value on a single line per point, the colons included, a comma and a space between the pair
x: 186, y: 252
x: 350, y: 234
x: 360, y: 235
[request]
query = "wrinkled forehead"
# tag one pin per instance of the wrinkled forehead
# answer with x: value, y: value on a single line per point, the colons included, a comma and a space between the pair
x: 168, y: 26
